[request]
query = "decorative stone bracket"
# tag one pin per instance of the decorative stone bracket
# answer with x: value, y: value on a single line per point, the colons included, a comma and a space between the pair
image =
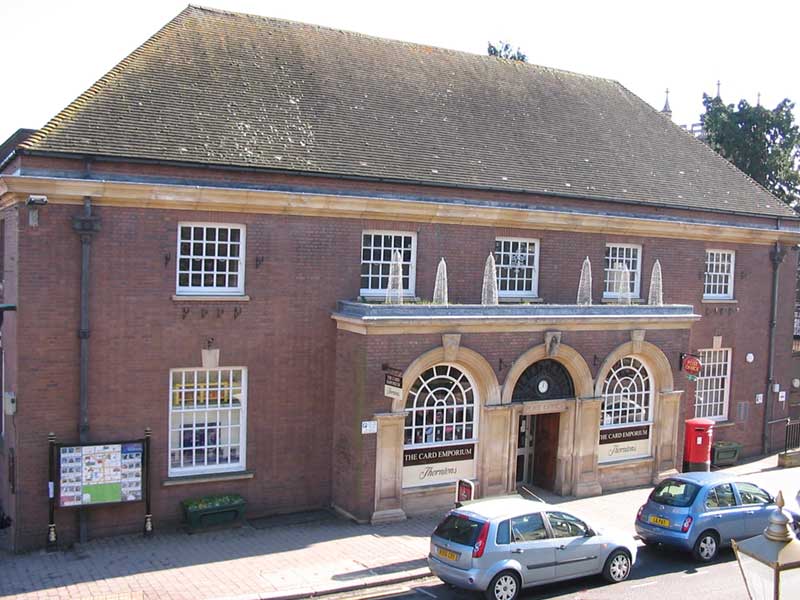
x: 552, y: 341
x: 451, y: 342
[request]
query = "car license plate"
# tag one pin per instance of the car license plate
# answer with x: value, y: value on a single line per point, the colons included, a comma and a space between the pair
x: 448, y: 554
x: 659, y: 521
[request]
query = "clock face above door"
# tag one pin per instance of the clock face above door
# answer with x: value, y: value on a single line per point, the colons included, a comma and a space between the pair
x: 543, y: 386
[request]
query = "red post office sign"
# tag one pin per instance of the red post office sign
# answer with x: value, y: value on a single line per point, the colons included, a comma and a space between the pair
x: 691, y: 365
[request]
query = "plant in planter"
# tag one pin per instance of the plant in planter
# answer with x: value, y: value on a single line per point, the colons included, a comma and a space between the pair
x: 213, y: 510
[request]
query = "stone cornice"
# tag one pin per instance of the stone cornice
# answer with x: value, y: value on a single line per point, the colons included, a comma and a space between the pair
x: 366, y: 319
x: 14, y: 188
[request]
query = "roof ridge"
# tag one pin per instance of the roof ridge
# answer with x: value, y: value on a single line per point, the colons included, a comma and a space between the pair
x: 223, y: 11
x: 67, y: 112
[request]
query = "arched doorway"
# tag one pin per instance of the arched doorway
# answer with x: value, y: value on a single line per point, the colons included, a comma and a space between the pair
x: 538, y: 433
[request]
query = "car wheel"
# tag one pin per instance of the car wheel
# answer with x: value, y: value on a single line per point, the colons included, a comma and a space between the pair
x: 617, y: 567
x: 706, y: 547
x: 504, y: 586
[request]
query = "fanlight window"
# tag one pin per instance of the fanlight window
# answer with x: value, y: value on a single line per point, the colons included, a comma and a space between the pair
x: 440, y: 407
x: 627, y: 393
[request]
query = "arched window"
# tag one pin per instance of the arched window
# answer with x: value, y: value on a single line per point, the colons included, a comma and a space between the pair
x: 440, y: 407
x: 627, y: 394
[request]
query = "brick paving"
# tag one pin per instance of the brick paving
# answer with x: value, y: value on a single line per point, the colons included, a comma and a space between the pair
x: 279, y: 561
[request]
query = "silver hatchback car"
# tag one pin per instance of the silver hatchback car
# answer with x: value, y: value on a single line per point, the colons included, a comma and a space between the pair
x: 501, y: 545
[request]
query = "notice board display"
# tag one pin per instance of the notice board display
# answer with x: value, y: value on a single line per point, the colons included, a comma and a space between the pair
x: 100, y: 473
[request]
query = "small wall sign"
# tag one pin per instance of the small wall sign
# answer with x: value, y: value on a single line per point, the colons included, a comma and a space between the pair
x: 393, y: 386
x: 368, y: 427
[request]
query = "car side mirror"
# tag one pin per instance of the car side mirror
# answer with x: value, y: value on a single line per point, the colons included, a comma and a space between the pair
x: 589, y: 533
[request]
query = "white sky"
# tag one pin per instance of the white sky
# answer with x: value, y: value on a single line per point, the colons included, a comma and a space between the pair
x: 55, y: 49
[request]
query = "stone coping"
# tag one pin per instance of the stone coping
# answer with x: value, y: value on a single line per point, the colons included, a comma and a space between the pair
x: 375, y: 312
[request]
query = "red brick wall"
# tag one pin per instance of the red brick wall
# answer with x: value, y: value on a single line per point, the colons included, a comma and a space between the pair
x: 299, y: 379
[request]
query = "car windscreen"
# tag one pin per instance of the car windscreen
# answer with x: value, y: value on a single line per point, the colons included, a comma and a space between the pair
x: 674, y: 492
x: 459, y: 529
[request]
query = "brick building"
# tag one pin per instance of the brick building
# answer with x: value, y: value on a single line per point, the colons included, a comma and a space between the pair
x: 200, y: 245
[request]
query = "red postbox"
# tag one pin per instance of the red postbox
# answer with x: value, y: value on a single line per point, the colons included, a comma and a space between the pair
x: 697, y: 445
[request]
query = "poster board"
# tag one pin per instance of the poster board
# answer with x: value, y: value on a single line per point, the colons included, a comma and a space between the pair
x: 92, y: 474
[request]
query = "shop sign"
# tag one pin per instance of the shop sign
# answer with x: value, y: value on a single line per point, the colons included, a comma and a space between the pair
x: 624, y: 442
x: 439, y: 464
x: 393, y: 386
x: 691, y: 365
x: 100, y: 474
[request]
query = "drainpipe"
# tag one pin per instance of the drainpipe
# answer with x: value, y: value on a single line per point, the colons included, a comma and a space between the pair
x: 776, y: 255
x: 85, y: 225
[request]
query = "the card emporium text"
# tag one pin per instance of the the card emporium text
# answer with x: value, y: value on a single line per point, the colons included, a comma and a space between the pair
x: 425, y: 456
x: 626, y: 434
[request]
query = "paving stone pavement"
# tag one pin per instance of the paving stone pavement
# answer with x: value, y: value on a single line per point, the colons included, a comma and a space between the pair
x: 294, y: 560
x: 241, y: 564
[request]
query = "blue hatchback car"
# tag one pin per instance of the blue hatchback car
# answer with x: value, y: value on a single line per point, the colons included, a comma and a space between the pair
x: 701, y: 512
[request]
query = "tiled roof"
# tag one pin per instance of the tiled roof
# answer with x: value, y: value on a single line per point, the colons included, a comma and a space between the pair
x: 221, y: 88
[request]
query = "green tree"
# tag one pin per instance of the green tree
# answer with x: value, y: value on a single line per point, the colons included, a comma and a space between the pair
x: 504, y: 50
x: 763, y: 143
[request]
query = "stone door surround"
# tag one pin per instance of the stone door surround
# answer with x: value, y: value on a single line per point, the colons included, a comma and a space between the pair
x: 577, y: 470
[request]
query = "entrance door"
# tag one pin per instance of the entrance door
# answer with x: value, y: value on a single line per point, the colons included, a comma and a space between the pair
x: 526, y: 440
x: 545, y: 450
x: 537, y: 446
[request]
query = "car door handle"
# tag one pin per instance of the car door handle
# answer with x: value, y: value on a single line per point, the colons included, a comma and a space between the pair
x: 717, y: 516
x: 562, y: 547
x: 516, y: 551
x: 751, y: 512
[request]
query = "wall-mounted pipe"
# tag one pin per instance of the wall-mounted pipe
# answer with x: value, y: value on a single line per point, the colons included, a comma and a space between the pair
x: 776, y: 255
x: 85, y: 225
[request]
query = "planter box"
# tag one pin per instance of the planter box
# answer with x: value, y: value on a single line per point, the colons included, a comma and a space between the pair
x: 789, y: 459
x: 725, y: 454
x: 209, y: 511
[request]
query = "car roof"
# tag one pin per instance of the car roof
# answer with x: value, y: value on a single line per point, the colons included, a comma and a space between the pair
x: 706, y: 477
x: 502, y: 507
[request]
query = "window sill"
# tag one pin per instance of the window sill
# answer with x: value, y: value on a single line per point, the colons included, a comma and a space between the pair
x: 610, y: 300
x: 520, y: 300
x: 382, y: 299
x: 176, y: 298
x: 206, y: 478
x: 719, y: 301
